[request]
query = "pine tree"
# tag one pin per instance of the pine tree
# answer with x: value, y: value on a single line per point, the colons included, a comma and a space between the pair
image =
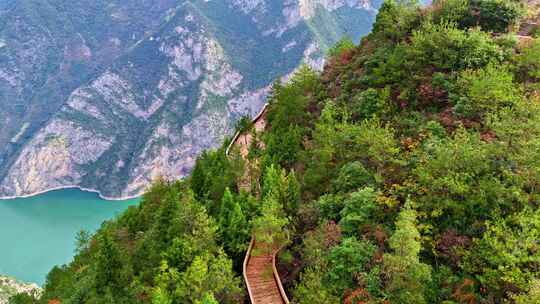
x: 232, y: 224
x: 108, y: 265
x: 407, y: 275
x: 197, y: 180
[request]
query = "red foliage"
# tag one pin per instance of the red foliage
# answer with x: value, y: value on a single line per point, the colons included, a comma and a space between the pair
x: 380, y: 236
x: 488, y: 136
x: 143, y: 297
x: 464, y: 293
x: 346, y: 56
x: 451, y: 245
x: 430, y: 95
x: 332, y: 234
x: 403, y: 104
x: 358, y: 296
x: 447, y: 119
x: 54, y: 301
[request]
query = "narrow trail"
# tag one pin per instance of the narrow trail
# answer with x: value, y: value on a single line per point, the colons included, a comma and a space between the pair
x: 260, y: 273
x: 242, y: 141
x: 528, y: 25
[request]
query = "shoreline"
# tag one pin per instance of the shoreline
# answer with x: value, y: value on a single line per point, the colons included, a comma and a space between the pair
x: 101, y: 196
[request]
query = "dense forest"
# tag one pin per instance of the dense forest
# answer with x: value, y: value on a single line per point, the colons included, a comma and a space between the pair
x: 408, y: 171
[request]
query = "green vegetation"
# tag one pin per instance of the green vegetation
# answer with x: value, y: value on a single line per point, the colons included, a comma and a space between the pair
x: 406, y: 172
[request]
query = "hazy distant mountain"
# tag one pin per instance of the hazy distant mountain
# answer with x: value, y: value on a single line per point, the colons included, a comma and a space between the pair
x: 111, y: 94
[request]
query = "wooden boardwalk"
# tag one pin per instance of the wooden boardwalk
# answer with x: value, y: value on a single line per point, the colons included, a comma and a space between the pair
x: 260, y: 274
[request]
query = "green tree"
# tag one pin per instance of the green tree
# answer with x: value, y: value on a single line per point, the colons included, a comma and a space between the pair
x: 108, y: 265
x: 348, y: 262
x: 208, y: 279
x: 370, y: 103
x: 22, y: 298
x: 395, y: 19
x: 449, y: 48
x: 212, y: 174
x: 494, y: 15
x: 233, y: 225
x: 458, y: 184
x: 528, y: 61
x: 359, y: 210
x: 208, y: 298
x: 312, y: 289
x: 269, y: 227
x: 283, y: 187
x: 450, y: 11
x: 407, y: 276
x: 82, y: 240
x: 289, y: 117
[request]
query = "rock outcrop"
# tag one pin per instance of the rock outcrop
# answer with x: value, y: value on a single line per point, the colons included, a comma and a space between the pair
x: 10, y: 287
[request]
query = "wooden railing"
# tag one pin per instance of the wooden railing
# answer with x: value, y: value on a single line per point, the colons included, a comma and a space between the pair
x: 278, y: 279
x: 246, y: 262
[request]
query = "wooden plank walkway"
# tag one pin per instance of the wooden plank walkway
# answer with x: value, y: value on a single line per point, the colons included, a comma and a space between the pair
x: 260, y: 273
x: 261, y: 276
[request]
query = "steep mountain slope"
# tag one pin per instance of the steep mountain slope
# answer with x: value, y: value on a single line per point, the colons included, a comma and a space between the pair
x: 133, y: 90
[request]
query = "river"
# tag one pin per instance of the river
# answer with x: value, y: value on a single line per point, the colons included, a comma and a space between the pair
x: 39, y: 232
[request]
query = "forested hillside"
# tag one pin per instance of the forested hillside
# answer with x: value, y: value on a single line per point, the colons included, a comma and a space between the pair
x: 408, y: 171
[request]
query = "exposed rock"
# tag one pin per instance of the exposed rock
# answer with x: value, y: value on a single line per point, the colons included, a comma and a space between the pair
x: 308, y: 7
x: 10, y: 287
x: 54, y: 158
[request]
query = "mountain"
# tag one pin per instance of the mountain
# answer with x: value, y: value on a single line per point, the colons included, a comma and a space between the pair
x: 109, y: 95
x: 406, y: 171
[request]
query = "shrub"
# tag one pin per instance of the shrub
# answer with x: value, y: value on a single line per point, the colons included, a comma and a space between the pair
x: 494, y: 15
x: 485, y: 90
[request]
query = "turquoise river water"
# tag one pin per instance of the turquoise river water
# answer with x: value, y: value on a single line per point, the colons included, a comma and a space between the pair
x: 39, y: 232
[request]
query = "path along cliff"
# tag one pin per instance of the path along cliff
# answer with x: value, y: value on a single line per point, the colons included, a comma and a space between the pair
x: 260, y: 274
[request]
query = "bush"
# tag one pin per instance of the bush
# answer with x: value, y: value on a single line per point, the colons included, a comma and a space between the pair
x: 447, y: 48
x: 352, y: 176
x: 348, y: 261
x: 507, y: 255
x: 494, y: 15
x: 358, y: 211
x: 342, y: 46
x: 528, y: 61
x: 370, y: 103
x: 485, y: 90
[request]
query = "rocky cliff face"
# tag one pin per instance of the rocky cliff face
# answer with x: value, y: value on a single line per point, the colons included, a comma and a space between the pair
x: 109, y: 95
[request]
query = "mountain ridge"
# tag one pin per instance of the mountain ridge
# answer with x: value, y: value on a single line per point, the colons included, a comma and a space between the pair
x: 175, y: 90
